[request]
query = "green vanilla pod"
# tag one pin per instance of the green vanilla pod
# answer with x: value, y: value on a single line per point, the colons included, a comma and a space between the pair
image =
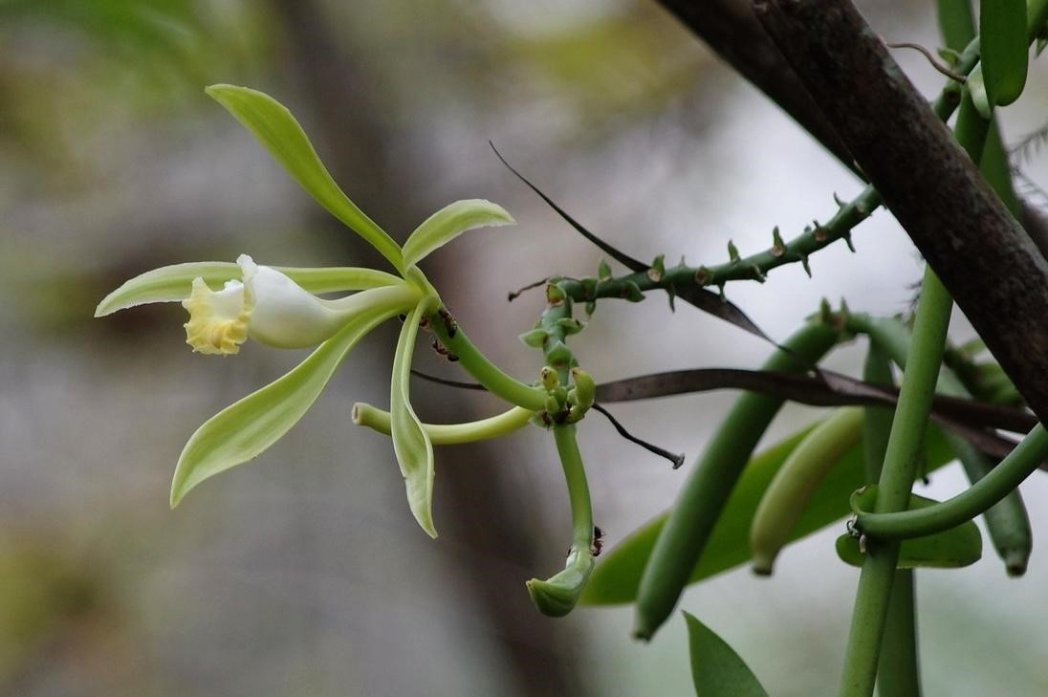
x: 790, y: 491
x: 702, y: 498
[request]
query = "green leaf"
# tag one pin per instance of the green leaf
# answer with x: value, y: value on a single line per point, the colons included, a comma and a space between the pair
x: 716, y: 669
x: 410, y: 443
x: 280, y: 133
x: 1004, y: 48
x: 173, y: 283
x: 956, y: 23
x: 450, y: 222
x: 245, y: 429
x: 616, y: 578
x: 953, y: 548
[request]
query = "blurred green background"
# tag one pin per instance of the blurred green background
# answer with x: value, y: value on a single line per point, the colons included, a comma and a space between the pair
x: 304, y: 573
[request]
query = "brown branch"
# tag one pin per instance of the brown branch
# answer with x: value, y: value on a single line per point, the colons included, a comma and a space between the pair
x: 988, y: 263
x: 730, y: 28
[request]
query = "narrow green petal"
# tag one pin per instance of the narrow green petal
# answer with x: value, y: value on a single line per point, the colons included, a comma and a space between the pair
x: 173, y: 283
x: 280, y: 133
x: 450, y: 222
x: 412, y: 446
x: 245, y: 429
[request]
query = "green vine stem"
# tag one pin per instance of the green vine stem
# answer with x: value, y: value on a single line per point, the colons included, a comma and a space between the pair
x: 448, y: 434
x: 1024, y: 460
x: 558, y: 595
x: 704, y: 494
x: 799, y: 249
x: 1007, y: 521
x: 898, y: 671
x: 896, y: 481
x: 454, y: 339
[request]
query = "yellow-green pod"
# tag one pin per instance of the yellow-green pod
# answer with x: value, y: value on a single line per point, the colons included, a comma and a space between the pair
x: 796, y: 481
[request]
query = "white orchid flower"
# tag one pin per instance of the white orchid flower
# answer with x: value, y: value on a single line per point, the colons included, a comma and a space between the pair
x: 268, y: 306
x: 279, y: 307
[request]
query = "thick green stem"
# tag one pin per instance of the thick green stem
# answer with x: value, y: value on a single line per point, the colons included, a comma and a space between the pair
x: 476, y: 364
x: 706, y: 491
x: 898, y: 671
x: 1015, y: 468
x: 578, y: 488
x: 1007, y: 520
x: 899, y: 471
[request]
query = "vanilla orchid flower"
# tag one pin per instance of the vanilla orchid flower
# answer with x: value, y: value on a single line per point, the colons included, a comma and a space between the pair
x: 280, y: 307
x: 266, y: 305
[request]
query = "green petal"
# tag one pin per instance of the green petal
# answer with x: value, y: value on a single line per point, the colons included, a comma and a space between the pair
x: 173, y: 283
x: 277, y: 129
x: 412, y: 446
x: 716, y: 669
x: 450, y: 222
x: 245, y: 429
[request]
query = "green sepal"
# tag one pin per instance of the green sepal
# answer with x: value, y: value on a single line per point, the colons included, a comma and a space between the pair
x: 716, y: 670
x: 274, y: 126
x: 412, y: 446
x: 632, y: 292
x: 535, y: 338
x: 245, y: 429
x: 954, y: 548
x: 570, y: 325
x: 450, y: 222
x: 174, y: 283
x: 657, y: 269
x: 603, y: 271
x: 559, y: 355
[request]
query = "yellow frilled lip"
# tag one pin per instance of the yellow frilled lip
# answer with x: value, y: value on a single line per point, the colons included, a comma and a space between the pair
x: 218, y: 320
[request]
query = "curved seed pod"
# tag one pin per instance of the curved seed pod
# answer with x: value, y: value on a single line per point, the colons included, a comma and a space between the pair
x: 790, y: 491
x: 687, y: 529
